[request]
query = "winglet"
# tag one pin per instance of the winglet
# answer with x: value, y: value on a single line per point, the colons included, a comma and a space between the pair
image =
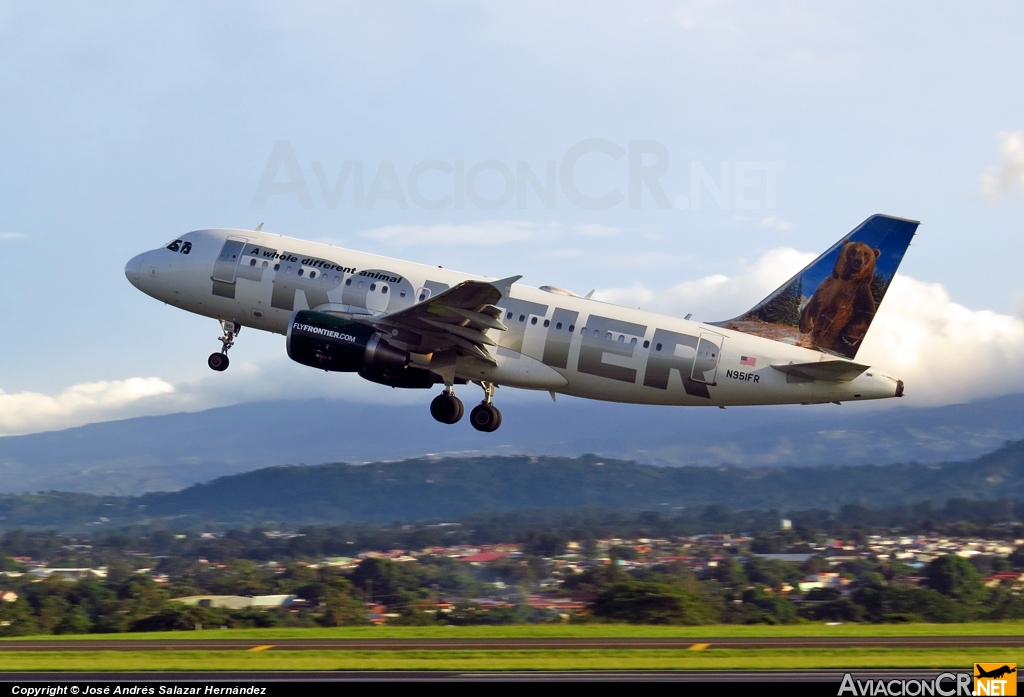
x: 504, y: 286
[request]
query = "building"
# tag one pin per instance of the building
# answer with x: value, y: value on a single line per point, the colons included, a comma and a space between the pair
x: 240, y: 602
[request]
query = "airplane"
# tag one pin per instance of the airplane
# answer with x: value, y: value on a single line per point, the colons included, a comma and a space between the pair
x: 410, y: 325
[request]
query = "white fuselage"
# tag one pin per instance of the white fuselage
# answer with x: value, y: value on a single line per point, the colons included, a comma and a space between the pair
x: 554, y: 340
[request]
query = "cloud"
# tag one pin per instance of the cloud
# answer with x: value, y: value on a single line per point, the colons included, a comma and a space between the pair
x: 718, y: 296
x: 13, y: 236
x: 775, y: 222
x: 945, y: 352
x: 1007, y: 179
x: 493, y: 232
x: 278, y: 378
x: 24, y: 412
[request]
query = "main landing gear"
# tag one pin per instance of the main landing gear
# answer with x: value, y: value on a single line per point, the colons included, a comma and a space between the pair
x: 219, y: 361
x: 448, y: 409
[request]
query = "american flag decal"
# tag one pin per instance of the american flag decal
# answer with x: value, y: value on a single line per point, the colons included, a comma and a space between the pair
x: 747, y: 360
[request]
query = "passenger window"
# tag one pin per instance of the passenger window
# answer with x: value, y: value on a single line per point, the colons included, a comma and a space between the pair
x: 265, y: 264
x: 383, y: 290
x: 252, y: 263
x: 401, y: 294
x: 632, y: 342
x: 647, y: 344
x: 373, y: 286
x: 622, y: 338
x: 558, y: 325
x: 533, y: 320
x: 547, y: 322
x: 277, y: 267
x: 312, y: 274
x: 657, y: 347
x: 522, y: 318
x: 571, y: 328
x: 301, y: 271
x: 288, y: 270
x: 360, y: 284
x: 348, y: 282
x: 508, y: 315
x: 337, y: 279
x: 608, y: 336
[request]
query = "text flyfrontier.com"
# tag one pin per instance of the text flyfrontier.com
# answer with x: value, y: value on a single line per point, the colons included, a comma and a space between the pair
x: 989, y: 679
x: 88, y: 690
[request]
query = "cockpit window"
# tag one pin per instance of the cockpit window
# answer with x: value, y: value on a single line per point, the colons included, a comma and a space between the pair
x: 180, y: 246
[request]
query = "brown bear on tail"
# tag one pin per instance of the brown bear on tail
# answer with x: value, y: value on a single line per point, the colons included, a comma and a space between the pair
x: 841, y: 309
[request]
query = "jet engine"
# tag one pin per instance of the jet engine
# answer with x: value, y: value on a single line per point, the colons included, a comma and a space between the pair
x: 323, y: 341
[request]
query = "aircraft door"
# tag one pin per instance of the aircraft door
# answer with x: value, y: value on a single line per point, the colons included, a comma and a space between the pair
x: 378, y: 296
x: 705, y: 363
x: 227, y: 262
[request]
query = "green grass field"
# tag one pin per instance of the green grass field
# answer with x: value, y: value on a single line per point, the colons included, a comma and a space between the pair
x: 711, y: 659
x: 1012, y: 628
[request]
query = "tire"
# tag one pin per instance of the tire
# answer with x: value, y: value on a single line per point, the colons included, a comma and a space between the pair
x: 485, y: 418
x: 218, y: 361
x: 497, y: 420
x: 447, y: 408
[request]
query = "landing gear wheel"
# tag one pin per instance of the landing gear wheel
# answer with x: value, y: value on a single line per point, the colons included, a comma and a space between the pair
x: 447, y: 408
x: 485, y: 417
x: 218, y: 361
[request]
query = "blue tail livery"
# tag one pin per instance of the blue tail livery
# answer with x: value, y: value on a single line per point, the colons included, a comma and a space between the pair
x: 829, y: 305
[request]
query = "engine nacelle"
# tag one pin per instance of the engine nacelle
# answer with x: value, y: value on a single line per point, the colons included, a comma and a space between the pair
x: 324, y: 341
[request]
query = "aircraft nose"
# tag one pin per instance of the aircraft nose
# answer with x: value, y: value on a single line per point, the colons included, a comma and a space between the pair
x: 133, y: 269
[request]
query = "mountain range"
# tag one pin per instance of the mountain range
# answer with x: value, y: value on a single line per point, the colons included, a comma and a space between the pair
x: 171, y: 452
x: 444, y: 489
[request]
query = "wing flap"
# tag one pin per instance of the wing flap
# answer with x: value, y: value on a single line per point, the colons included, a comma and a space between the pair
x: 457, y: 318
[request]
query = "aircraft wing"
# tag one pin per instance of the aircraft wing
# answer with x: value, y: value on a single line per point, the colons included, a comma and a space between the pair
x: 459, y: 317
x: 828, y: 371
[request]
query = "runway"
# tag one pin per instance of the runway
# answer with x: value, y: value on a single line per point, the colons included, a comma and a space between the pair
x: 699, y: 676
x: 517, y: 644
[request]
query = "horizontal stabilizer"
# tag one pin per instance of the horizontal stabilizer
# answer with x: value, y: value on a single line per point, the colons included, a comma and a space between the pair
x: 828, y: 371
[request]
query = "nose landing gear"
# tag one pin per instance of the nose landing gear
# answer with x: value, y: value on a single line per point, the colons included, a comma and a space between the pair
x: 446, y: 407
x: 219, y: 361
x: 485, y: 416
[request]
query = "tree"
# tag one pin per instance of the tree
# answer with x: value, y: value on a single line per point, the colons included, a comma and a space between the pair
x: 645, y: 602
x: 729, y: 573
x: 544, y: 544
x: 955, y: 577
x: 901, y: 604
x: 386, y: 581
x: 342, y: 610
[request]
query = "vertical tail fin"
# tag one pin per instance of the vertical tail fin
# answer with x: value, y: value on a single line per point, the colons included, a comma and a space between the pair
x: 829, y: 305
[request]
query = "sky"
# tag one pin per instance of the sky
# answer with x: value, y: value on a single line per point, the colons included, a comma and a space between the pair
x: 685, y: 157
